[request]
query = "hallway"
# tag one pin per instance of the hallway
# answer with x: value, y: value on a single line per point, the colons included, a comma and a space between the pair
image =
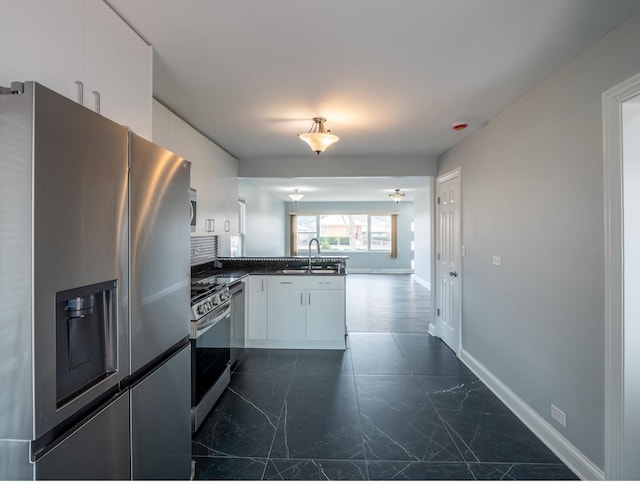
x: 393, y: 406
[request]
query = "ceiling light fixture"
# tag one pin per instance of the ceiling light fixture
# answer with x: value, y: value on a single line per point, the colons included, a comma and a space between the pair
x: 396, y: 196
x: 295, y: 196
x: 318, y: 137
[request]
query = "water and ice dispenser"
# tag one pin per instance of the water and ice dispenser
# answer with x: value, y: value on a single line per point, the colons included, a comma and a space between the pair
x: 86, y: 338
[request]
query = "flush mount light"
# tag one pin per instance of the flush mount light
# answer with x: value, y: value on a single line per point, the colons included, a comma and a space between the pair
x: 295, y: 196
x: 396, y: 196
x: 318, y: 137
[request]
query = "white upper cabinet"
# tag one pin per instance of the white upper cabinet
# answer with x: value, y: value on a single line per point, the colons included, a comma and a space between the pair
x: 118, y: 66
x: 57, y: 43
x: 214, y: 173
x: 43, y: 41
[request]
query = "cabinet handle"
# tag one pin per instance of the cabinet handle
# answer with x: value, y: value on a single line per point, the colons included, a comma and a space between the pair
x: 262, y: 281
x: 301, y: 299
x: 210, y: 225
x: 227, y: 226
x: 309, y: 299
x: 97, y: 95
x: 80, y: 92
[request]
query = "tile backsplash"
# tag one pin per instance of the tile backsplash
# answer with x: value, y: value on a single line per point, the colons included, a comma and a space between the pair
x: 204, y: 249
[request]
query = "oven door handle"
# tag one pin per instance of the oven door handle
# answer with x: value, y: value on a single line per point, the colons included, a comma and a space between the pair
x: 205, y: 326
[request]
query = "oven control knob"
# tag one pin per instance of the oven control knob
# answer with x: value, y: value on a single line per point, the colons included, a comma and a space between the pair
x: 208, y: 306
x: 216, y: 300
x: 200, y: 310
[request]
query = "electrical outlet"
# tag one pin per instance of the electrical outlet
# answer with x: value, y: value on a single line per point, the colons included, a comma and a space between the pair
x: 559, y: 415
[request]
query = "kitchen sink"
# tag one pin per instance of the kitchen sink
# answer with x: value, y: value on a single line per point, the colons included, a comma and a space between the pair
x: 306, y: 271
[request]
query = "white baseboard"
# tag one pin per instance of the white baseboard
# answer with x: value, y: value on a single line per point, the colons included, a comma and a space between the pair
x: 379, y: 271
x: 421, y: 281
x: 432, y: 330
x: 565, y: 450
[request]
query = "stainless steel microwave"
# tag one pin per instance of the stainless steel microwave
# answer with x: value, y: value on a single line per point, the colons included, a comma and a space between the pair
x: 193, y: 207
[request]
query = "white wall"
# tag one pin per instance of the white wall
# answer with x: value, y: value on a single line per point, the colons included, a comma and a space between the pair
x: 422, y: 235
x: 631, y: 190
x: 367, y: 261
x: 532, y: 188
x: 321, y: 166
x: 265, y: 218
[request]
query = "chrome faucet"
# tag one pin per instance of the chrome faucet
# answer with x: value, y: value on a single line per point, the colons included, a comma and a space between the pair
x: 318, y: 244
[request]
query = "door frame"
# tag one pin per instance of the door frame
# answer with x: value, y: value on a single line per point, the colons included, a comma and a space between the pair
x: 455, y: 173
x: 612, y: 101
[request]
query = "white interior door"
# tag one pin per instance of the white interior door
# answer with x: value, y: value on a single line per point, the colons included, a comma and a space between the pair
x: 448, y: 259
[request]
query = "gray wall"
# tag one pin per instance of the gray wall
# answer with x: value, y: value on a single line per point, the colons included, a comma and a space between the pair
x: 265, y: 219
x: 532, y: 188
x: 422, y: 235
x: 370, y: 261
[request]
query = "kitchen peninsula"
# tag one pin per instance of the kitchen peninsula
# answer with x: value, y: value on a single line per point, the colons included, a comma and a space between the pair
x: 292, y: 302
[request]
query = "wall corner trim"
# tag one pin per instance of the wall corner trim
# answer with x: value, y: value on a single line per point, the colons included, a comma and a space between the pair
x: 565, y: 450
x: 421, y: 281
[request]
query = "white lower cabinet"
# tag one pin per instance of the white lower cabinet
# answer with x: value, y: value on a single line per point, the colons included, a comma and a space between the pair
x: 286, y: 308
x: 256, y: 309
x: 325, y: 314
x: 296, y: 312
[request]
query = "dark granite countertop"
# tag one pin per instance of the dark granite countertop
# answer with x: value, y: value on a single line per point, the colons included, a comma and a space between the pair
x: 237, y: 267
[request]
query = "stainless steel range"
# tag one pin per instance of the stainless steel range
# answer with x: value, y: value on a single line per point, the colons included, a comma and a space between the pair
x: 209, y: 297
x: 210, y: 344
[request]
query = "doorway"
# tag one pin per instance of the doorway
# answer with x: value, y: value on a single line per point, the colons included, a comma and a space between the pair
x: 621, y: 121
x: 448, y: 238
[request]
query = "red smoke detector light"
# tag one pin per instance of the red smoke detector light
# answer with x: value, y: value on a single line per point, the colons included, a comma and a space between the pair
x: 459, y: 126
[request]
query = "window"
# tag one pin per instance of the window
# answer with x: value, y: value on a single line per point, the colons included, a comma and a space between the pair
x: 307, y: 229
x: 343, y: 232
x: 380, y: 233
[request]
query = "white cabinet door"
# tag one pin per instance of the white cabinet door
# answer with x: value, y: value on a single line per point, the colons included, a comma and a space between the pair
x: 42, y: 41
x: 214, y: 174
x: 325, y: 314
x: 118, y: 65
x: 286, y: 315
x: 286, y: 308
x: 57, y: 43
x: 257, y: 308
x: 187, y: 142
x: 225, y: 191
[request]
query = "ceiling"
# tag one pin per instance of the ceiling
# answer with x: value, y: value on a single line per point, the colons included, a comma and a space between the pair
x: 390, y: 76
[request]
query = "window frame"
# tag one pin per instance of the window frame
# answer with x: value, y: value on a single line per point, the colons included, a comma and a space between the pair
x: 392, y: 250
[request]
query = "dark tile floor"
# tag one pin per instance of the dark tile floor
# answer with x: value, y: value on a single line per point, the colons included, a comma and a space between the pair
x: 393, y: 406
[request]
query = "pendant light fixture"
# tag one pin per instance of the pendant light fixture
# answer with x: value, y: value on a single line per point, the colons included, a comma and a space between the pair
x: 296, y: 196
x: 396, y: 196
x: 318, y: 138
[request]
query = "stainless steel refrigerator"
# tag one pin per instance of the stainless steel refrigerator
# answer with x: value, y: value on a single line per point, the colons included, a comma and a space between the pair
x: 94, y: 269
x: 160, y: 293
